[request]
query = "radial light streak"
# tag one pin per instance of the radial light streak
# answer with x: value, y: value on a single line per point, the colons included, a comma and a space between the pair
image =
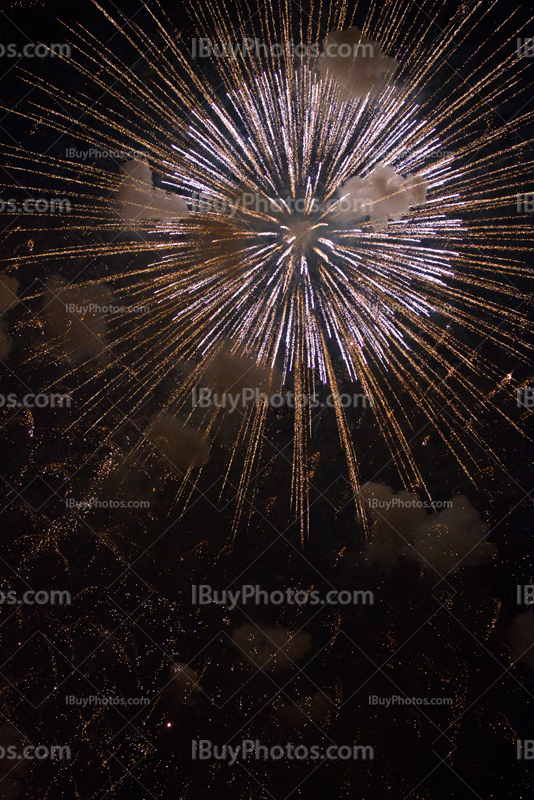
x: 305, y: 291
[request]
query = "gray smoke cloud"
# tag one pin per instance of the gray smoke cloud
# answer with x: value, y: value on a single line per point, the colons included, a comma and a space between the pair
x: 11, y: 769
x: 236, y: 381
x: 396, y: 518
x: 318, y: 709
x: 521, y: 638
x: 455, y: 537
x: 184, y: 682
x: 362, y: 70
x: 271, y: 648
x: 233, y: 373
x: 8, y: 299
x: 383, y: 195
x: 139, y: 199
x: 358, y: 63
x: 80, y: 332
x: 442, y: 541
x: 180, y: 444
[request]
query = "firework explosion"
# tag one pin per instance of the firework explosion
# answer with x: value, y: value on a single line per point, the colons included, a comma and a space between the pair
x: 267, y: 258
x: 272, y: 222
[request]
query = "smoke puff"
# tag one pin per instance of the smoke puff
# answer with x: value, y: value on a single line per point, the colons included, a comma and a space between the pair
x: 8, y: 292
x: 453, y: 535
x: 81, y: 333
x: 181, y: 444
x: 444, y: 541
x: 6, y: 342
x: 233, y: 373
x: 357, y: 62
x: 139, y: 199
x: 184, y: 682
x: 238, y: 381
x: 271, y: 648
x: 11, y: 738
x: 315, y: 709
x: 396, y: 520
x: 134, y: 479
x: 382, y: 195
x: 8, y: 298
x: 521, y: 637
x: 9, y: 789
